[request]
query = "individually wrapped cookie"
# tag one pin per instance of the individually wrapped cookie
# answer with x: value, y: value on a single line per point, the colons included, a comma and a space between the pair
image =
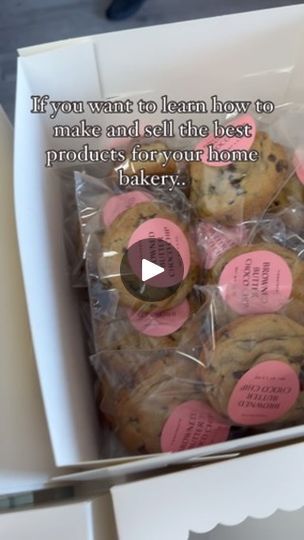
x: 102, y: 200
x: 258, y: 278
x: 213, y: 239
x: 231, y: 192
x: 157, y: 229
x: 253, y: 374
x: 154, y: 401
x: 128, y: 329
x: 149, y: 232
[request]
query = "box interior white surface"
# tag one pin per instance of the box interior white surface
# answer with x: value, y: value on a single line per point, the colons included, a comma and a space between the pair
x: 258, y: 55
x: 26, y: 460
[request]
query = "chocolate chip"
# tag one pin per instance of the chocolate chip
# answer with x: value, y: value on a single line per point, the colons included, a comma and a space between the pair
x: 211, y: 189
x: 238, y: 374
x: 297, y: 360
x: 234, y: 181
x: 231, y: 202
x: 231, y: 167
x: 272, y: 157
x: 281, y: 165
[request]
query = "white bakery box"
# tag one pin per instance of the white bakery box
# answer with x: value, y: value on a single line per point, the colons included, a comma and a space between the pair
x: 257, y: 54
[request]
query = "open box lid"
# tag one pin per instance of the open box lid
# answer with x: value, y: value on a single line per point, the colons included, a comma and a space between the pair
x: 26, y: 460
x: 199, y: 499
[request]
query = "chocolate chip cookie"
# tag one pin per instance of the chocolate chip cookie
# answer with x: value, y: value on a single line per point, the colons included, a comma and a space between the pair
x: 149, y: 331
x: 294, y: 263
x: 139, y: 404
x: 115, y: 243
x: 240, y: 190
x: 271, y: 348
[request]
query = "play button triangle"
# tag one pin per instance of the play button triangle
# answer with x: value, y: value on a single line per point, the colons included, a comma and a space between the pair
x: 150, y: 270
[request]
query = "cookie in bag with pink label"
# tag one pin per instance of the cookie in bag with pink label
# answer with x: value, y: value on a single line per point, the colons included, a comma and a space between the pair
x: 240, y: 190
x: 159, y: 405
x: 146, y: 237
x: 254, y: 374
x: 259, y: 278
x: 138, y: 329
x: 213, y: 239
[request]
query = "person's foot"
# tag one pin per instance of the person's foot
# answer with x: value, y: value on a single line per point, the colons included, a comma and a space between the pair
x: 122, y: 9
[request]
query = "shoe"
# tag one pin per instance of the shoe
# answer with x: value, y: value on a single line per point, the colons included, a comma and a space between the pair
x: 122, y: 9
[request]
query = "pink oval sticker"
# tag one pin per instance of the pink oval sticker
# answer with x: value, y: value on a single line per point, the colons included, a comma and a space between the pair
x: 265, y: 393
x: 298, y: 161
x: 228, y: 142
x: 191, y: 425
x: 256, y: 282
x: 118, y: 204
x: 215, y: 240
x: 166, y: 230
x: 162, y: 323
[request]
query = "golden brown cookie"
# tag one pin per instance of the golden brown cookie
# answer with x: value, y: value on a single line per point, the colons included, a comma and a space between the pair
x: 269, y: 394
x: 115, y: 243
x: 294, y: 310
x: 139, y: 404
x: 292, y: 191
x: 148, y: 331
x: 241, y: 190
x: 295, y: 264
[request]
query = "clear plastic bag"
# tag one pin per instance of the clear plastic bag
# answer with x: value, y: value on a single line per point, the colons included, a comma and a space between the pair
x: 106, y: 241
x: 154, y: 401
x: 221, y: 357
x: 125, y: 328
x: 253, y: 374
x: 237, y: 191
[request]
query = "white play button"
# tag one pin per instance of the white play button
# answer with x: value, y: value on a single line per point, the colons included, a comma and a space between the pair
x: 150, y: 270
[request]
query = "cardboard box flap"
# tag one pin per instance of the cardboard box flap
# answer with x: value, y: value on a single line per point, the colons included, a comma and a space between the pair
x: 280, y: 526
x: 199, y: 64
x: 52, y: 306
x: 25, y: 452
x: 227, y: 449
x: 199, y: 499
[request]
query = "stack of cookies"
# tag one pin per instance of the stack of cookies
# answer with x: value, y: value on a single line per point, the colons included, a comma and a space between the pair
x: 226, y: 348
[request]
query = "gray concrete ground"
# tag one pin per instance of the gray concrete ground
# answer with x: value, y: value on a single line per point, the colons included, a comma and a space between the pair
x: 30, y: 22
